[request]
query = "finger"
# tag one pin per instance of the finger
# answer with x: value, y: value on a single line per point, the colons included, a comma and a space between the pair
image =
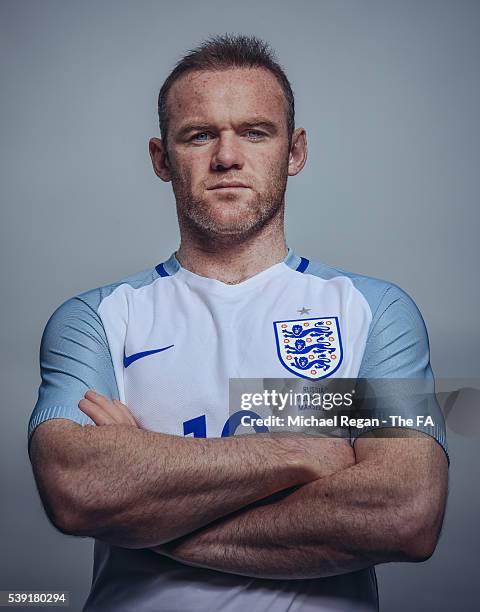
x: 102, y: 402
x: 95, y: 412
x: 125, y: 411
x: 117, y: 411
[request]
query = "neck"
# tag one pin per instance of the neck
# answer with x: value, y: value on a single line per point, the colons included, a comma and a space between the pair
x: 229, y: 260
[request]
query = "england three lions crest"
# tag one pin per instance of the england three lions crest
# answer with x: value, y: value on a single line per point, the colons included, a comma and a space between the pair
x: 310, y: 348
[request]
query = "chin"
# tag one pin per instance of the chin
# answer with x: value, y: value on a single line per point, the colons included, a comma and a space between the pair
x: 233, y: 229
x: 228, y: 216
x: 233, y: 218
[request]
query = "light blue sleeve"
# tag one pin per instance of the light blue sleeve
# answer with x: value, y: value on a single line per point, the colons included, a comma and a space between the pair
x: 397, y: 349
x: 397, y: 344
x: 74, y: 357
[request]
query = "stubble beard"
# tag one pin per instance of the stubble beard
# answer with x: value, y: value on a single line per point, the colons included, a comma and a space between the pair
x: 196, y: 216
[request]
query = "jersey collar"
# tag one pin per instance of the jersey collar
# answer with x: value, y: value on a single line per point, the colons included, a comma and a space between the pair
x: 171, y: 266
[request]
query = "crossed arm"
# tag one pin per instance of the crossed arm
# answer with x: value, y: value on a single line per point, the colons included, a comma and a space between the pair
x: 347, y: 509
x: 388, y: 506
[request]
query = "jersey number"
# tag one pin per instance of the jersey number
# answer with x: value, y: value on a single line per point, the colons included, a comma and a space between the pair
x: 198, y: 425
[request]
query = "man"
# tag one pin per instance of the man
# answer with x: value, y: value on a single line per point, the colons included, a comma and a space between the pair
x: 184, y: 515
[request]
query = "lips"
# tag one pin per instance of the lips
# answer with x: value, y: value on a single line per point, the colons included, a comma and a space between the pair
x: 229, y: 185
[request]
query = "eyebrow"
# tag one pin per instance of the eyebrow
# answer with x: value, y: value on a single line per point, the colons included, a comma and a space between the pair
x: 260, y: 122
x: 193, y: 127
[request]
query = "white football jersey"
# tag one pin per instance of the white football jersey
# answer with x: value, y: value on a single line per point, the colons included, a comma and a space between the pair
x: 166, y: 342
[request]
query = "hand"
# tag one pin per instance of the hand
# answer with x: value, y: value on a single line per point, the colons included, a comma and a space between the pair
x: 322, y: 456
x: 104, y: 411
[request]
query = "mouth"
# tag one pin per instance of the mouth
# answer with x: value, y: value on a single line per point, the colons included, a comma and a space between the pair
x: 229, y: 185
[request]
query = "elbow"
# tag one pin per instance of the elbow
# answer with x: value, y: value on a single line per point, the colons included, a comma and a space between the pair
x: 75, y: 521
x: 59, y: 513
x: 70, y: 496
x: 76, y: 518
x: 419, y: 533
x: 62, y: 521
x: 62, y: 501
x: 420, y: 547
x: 70, y: 516
x: 84, y: 512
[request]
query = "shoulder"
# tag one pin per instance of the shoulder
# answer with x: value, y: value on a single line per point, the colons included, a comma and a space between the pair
x: 397, y: 340
x: 85, y: 305
x: 381, y: 295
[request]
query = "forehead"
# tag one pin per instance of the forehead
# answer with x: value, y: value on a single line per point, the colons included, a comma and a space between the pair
x: 223, y: 95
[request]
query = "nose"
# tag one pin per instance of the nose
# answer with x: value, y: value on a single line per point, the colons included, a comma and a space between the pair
x: 227, y: 153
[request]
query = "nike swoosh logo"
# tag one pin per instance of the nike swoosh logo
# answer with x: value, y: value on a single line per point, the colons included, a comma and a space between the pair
x: 129, y: 360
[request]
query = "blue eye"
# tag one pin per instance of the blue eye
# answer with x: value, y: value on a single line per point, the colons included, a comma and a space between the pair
x: 198, y: 137
x: 255, y: 134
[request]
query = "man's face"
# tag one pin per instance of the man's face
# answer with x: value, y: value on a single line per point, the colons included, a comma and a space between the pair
x: 228, y: 150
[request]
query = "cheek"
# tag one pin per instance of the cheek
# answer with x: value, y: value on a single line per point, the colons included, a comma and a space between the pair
x: 191, y: 168
x: 273, y: 167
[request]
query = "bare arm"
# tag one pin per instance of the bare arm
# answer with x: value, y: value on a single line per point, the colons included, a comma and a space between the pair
x: 387, y: 507
x: 138, y: 489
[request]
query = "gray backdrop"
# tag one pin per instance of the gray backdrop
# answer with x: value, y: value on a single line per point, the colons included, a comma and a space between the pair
x: 389, y: 94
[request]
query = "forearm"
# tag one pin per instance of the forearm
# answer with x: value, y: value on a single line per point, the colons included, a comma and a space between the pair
x: 137, y: 488
x: 348, y: 521
x: 310, y: 533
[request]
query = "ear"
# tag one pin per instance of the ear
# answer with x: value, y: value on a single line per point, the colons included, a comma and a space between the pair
x: 159, y: 157
x: 298, y: 152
